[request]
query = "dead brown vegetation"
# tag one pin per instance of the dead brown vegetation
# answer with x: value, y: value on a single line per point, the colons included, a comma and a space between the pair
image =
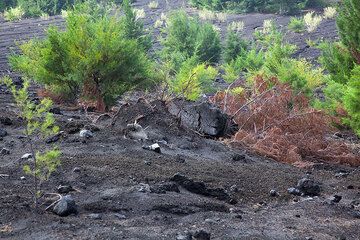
x: 277, y: 122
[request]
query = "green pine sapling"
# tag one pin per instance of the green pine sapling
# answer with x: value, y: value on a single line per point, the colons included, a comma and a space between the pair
x: 39, y: 124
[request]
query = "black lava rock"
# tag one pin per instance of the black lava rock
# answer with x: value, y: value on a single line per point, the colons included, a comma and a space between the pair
x: 65, y: 206
x: 55, y: 110
x: 336, y: 198
x: 201, y: 235
x: 201, y: 188
x: 5, y: 121
x: 308, y: 187
x: 162, y: 188
x: 294, y: 191
x: 3, y: 133
x: 65, y: 189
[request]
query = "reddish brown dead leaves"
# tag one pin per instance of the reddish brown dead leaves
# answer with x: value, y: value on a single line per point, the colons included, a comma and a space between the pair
x: 277, y: 122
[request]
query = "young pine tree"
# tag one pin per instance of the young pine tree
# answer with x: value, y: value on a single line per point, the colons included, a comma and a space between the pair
x: 39, y: 125
x: 348, y: 24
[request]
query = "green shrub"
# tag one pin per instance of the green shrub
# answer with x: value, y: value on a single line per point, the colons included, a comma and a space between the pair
x: 39, y: 125
x: 352, y: 101
x: 5, y: 4
x: 301, y: 75
x: 235, y: 45
x: 337, y: 60
x: 187, y: 37
x: 134, y: 29
x: 265, y: 6
x: 296, y: 24
x: 92, y: 59
x: 35, y: 8
x: 208, y: 44
x: 13, y: 14
x: 193, y: 79
x: 349, y: 27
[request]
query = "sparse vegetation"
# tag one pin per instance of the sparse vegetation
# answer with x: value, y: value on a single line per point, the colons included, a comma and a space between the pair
x: 39, y: 125
x: 296, y: 24
x: 312, y: 21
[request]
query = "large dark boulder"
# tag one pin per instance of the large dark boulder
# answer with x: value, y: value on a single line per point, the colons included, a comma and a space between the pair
x: 202, y: 117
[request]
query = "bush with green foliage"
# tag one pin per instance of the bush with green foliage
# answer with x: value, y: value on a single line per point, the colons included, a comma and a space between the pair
x: 134, y: 29
x: 352, y: 100
x: 193, y: 79
x: 272, y: 55
x: 348, y: 24
x: 235, y: 45
x: 265, y: 6
x: 39, y: 125
x: 92, y: 59
x: 6, y: 4
x: 14, y: 13
x: 296, y: 24
x: 187, y: 37
x: 337, y: 60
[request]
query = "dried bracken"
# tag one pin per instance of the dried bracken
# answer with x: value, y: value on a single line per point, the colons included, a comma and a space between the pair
x: 278, y: 122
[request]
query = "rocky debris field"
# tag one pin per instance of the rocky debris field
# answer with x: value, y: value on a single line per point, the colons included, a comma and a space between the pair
x: 151, y: 173
x: 192, y: 188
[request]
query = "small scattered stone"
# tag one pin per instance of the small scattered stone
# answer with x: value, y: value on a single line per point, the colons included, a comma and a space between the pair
x: 76, y: 170
x: 336, y: 198
x: 95, y: 216
x: 144, y: 188
x: 120, y: 216
x: 5, y: 151
x: 147, y: 163
x: 294, y: 191
x: 55, y: 110
x: 274, y: 193
x: 155, y: 147
x: 26, y: 156
x: 308, y: 187
x: 234, y: 189
x: 356, y: 214
x: 54, y: 139
x: 184, y: 236
x: 201, y: 235
x: 297, y: 215
x: 63, y: 189
x: 86, y: 134
x: 212, y: 220
x: 238, y: 157
x: 5, y: 121
x: 162, y: 188
x: 135, y: 131
x: 22, y: 178
x: 238, y: 216
x: 341, y: 174
x: 3, y: 133
x: 65, y: 206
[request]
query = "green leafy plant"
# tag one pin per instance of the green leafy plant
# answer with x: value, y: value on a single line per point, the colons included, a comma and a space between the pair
x: 13, y: 14
x: 93, y: 59
x: 352, y: 100
x: 187, y: 37
x: 348, y: 24
x: 39, y: 124
x: 193, y: 79
x: 134, y: 29
x: 296, y: 24
x: 235, y: 45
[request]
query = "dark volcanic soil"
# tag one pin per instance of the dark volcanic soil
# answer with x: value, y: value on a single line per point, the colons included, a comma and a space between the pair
x: 113, y: 169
